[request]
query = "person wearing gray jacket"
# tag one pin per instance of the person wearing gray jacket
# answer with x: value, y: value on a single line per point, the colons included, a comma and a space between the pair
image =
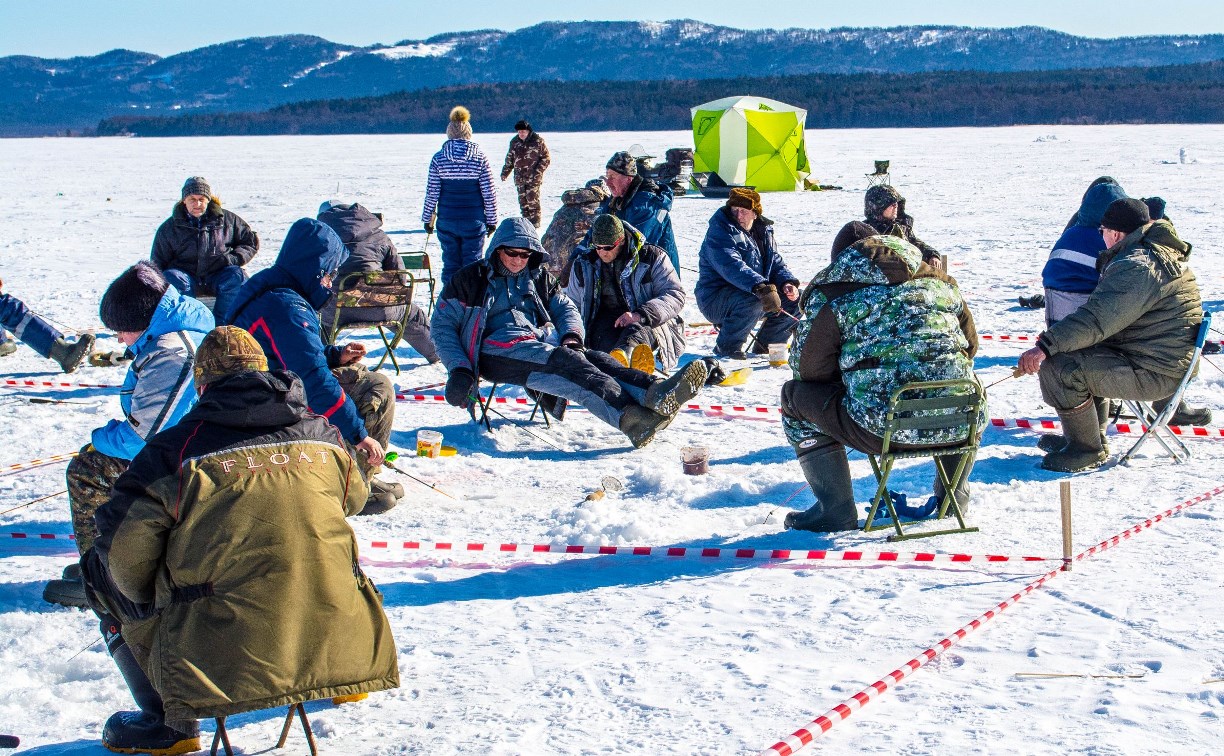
x: 628, y: 293
x: 1132, y: 339
x: 506, y: 318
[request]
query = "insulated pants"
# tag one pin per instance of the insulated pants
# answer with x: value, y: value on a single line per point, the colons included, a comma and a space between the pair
x: 224, y: 284
x: 1069, y: 379
x: 736, y: 313
x: 26, y: 326
x: 462, y: 242
x: 91, y: 475
x: 529, y: 202
x: 374, y: 395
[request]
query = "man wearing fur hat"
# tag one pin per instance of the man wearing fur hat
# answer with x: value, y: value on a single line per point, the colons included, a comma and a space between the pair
x: 459, y: 196
x: 161, y: 329
x: 629, y: 297
x: 641, y: 203
x: 528, y: 158
x: 278, y: 306
x: 1132, y: 339
x: 202, y: 246
x: 742, y: 277
x: 884, y: 210
x: 223, y: 528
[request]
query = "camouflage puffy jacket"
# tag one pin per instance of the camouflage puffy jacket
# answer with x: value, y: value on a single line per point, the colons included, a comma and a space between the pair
x: 876, y: 319
x: 528, y: 158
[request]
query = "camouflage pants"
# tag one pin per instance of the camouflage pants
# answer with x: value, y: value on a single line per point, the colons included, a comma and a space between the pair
x: 374, y: 395
x: 529, y: 202
x: 91, y: 474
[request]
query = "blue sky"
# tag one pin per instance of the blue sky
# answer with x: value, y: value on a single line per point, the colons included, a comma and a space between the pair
x: 63, y: 28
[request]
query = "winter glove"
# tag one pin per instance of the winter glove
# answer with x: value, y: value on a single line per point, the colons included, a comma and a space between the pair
x: 771, y: 303
x: 489, y: 229
x: 429, y: 228
x: 459, y: 385
x: 572, y: 341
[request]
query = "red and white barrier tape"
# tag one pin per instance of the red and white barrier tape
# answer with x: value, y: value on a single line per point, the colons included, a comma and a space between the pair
x: 1132, y: 429
x: 18, y: 467
x: 40, y: 536
x: 825, y: 722
x: 54, y: 384
x: 1027, y: 338
x: 700, y: 552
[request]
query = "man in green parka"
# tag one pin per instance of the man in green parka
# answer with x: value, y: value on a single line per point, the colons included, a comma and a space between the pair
x: 225, y: 575
x: 1132, y: 339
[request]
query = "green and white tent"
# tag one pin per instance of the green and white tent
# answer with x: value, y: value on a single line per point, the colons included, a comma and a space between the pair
x: 751, y: 141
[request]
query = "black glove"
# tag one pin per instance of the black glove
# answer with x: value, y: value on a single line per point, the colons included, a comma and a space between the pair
x: 572, y: 341
x: 771, y: 303
x: 459, y: 386
x: 429, y: 228
x: 489, y: 229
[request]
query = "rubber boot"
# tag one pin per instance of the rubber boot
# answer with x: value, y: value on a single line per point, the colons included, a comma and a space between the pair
x: 1184, y: 414
x: 948, y: 463
x: 70, y: 356
x: 146, y: 730
x: 1083, y: 451
x: 828, y: 474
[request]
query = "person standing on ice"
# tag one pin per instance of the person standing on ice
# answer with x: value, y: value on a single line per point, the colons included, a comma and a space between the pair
x: 506, y: 319
x: 1132, y: 339
x: 203, y: 246
x: 278, y: 307
x: 629, y: 297
x: 161, y: 329
x: 459, y: 195
x: 39, y: 335
x: 528, y: 158
x: 884, y: 210
x: 877, y: 318
x: 743, y: 277
x: 224, y: 575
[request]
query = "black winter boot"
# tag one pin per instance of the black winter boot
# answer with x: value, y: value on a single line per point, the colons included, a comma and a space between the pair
x: 641, y: 424
x: 828, y: 474
x: 70, y: 356
x: 144, y: 731
x: 1084, y: 450
x: 1184, y: 414
x: 669, y: 395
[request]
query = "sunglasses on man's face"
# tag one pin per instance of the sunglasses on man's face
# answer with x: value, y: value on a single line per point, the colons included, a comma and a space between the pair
x: 605, y: 247
x: 516, y: 254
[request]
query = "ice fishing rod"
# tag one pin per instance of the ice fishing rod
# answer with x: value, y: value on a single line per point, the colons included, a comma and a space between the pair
x: 1015, y: 373
x: 392, y: 456
x: 28, y: 503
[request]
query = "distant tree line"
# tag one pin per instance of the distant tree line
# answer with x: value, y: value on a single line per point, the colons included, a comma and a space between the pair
x: 1167, y: 94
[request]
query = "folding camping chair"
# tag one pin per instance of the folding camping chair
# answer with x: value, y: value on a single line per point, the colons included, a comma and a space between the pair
x: 555, y: 406
x: 365, y: 290
x: 928, y: 406
x: 221, y: 735
x: 421, y: 268
x: 1157, y: 423
x: 881, y: 175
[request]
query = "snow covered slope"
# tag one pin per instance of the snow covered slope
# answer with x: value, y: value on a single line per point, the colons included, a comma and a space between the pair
x: 528, y: 653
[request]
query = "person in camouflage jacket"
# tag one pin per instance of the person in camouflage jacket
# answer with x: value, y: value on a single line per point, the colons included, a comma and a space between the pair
x: 876, y: 319
x: 570, y: 225
x: 884, y: 210
x: 528, y: 158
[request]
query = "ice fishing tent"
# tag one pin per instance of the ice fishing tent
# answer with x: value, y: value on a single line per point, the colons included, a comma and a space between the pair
x: 752, y: 141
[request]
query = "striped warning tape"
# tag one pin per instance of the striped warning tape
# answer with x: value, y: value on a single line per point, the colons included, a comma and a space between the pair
x: 825, y: 722
x: 1001, y: 337
x: 54, y: 384
x: 19, y: 466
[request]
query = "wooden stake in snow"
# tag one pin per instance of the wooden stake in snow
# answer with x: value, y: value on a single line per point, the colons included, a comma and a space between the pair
x: 1064, y: 490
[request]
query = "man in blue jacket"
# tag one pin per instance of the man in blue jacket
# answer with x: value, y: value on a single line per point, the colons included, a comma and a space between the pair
x: 161, y: 329
x: 742, y: 278
x: 641, y: 203
x: 278, y: 307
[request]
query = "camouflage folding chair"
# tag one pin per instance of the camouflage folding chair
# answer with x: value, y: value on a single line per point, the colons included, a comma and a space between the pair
x: 929, y: 405
x: 366, y: 290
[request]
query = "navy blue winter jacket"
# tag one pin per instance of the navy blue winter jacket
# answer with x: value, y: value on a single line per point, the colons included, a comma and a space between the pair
x: 1072, y: 263
x: 732, y: 257
x: 278, y: 306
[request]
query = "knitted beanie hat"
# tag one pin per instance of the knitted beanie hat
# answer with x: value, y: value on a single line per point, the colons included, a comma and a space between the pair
x: 460, y: 126
x: 742, y: 196
x: 623, y: 163
x: 227, y: 350
x: 132, y: 298
x: 878, y: 198
x: 197, y: 185
x: 1126, y: 215
x: 607, y: 230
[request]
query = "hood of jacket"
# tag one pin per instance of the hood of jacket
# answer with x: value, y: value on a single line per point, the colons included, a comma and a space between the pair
x: 352, y: 223
x: 310, y: 252
x: 253, y: 399
x: 174, y: 312
x: 875, y: 261
x: 518, y: 232
x: 1169, y: 251
x: 461, y: 149
x: 1096, y: 201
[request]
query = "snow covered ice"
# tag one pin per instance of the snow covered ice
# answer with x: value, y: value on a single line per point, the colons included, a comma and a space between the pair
x: 521, y: 653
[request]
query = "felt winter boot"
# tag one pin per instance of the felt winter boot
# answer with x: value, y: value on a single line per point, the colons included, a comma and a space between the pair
x: 144, y: 731
x: 1184, y: 414
x: 670, y: 394
x: 8, y: 345
x: 1052, y: 442
x: 828, y: 474
x: 1084, y: 450
x: 71, y: 355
